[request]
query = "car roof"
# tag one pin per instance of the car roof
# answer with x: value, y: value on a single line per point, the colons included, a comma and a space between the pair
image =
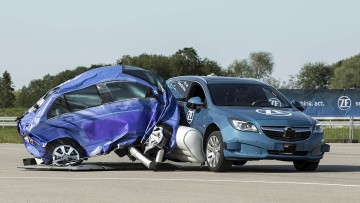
x: 220, y: 80
x: 103, y: 74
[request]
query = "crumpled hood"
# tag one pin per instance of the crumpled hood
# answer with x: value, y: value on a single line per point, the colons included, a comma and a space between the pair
x: 265, y: 116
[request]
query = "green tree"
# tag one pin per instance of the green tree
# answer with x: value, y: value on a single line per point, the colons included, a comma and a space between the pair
x: 240, y: 68
x: 7, y: 97
x: 346, y: 73
x: 158, y: 64
x: 291, y: 83
x: 210, y: 67
x: 23, y: 98
x: 261, y: 63
x: 186, y: 62
x: 314, y: 76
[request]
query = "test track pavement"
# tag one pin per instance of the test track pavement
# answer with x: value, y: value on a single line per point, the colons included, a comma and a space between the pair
x: 336, y: 180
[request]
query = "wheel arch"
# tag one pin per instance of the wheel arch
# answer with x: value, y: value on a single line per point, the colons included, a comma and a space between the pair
x: 211, y: 128
x: 68, y: 140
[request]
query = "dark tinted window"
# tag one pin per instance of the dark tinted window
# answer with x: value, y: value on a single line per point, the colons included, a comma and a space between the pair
x: 148, y: 76
x: 75, y: 101
x: 59, y: 107
x: 196, y: 91
x: 82, y: 99
x: 179, y: 88
x: 127, y: 90
x: 246, y: 95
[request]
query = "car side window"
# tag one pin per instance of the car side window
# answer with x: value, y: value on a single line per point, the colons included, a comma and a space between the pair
x: 196, y: 91
x: 82, y: 99
x: 179, y: 88
x: 59, y: 107
x: 122, y: 90
x: 75, y: 101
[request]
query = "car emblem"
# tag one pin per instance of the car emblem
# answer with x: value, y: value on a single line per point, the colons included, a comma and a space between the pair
x: 344, y: 103
x: 273, y: 112
x: 190, y: 115
x: 289, y: 133
x: 275, y: 102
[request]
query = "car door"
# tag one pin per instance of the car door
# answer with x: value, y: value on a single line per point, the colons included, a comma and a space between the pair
x: 133, y: 110
x: 81, y: 115
x: 196, y: 118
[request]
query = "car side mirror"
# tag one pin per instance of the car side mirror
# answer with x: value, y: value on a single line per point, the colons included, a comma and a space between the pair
x: 298, y: 105
x: 194, y: 102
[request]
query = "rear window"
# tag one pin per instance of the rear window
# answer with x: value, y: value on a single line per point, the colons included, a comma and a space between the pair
x: 39, y: 103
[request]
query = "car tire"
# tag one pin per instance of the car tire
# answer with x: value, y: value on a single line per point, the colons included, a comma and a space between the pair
x: 306, y: 165
x: 214, y: 152
x: 239, y: 163
x: 65, y: 153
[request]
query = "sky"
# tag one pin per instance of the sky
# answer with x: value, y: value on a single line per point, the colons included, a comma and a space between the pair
x: 40, y: 37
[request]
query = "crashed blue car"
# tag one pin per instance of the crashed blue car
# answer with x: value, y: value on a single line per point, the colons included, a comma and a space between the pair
x: 96, y: 112
x: 244, y: 119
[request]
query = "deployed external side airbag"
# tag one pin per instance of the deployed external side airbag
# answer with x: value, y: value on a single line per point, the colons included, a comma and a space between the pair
x: 188, y: 146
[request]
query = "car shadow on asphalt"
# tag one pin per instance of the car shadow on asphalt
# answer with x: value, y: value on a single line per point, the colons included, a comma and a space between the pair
x: 173, y: 166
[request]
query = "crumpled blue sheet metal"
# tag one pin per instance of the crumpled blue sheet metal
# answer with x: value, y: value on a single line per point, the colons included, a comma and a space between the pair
x: 100, y: 129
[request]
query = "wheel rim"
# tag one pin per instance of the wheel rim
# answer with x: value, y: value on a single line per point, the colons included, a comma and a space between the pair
x: 65, y: 155
x: 213, y: 151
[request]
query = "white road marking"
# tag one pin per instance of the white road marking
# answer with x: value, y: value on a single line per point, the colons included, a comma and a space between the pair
x: 13, y: 149
x: 191, y: 180
x: 342, y: 156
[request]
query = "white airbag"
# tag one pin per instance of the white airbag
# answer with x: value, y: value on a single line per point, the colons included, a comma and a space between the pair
x: 188, y: 145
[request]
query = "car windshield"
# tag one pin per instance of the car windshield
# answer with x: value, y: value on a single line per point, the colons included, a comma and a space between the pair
x: 246, y: 95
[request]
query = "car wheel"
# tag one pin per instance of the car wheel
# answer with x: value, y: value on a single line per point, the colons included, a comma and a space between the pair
x: 239, y: 163
x: 215, y: 153
x: 306, y: 165
x: 65, y: 154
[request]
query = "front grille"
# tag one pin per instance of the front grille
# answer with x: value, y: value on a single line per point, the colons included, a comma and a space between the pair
x: 280, y: 133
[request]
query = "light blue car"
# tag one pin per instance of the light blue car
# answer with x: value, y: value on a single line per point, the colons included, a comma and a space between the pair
x: 244, y: 119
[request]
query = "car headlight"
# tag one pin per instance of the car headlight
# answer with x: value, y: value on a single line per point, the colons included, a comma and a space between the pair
x: 243, y: 125
x: 318, y: 128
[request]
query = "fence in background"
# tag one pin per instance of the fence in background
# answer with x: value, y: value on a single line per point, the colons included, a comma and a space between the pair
x: 341, y: 129
x: 335, y: 129
x: 7, y: 121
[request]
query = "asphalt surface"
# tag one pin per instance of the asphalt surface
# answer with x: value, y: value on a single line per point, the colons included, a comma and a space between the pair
x: 336, y: 180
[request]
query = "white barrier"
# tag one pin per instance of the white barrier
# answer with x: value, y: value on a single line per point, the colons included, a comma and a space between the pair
x: 7, y: 121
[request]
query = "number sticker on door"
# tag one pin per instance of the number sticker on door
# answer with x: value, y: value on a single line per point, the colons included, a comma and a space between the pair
x: 190, y: 115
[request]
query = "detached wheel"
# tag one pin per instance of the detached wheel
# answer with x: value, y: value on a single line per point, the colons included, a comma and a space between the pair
x: 65, y: 154
x: 306, y: 165
x: 215, y: 153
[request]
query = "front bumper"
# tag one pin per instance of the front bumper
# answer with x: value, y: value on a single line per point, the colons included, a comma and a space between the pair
x: 256, y: 146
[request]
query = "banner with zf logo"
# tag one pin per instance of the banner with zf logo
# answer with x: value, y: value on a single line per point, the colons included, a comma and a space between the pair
x: 327, y: 103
